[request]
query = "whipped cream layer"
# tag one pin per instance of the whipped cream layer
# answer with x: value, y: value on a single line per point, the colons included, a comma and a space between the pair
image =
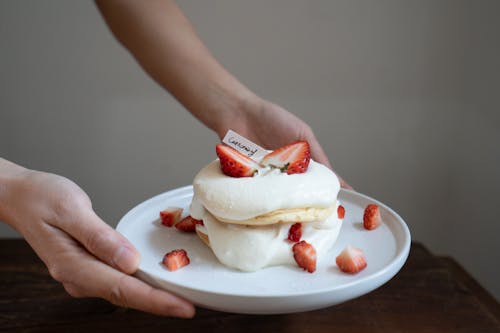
x: 269, y: 190
x: 250, y: 248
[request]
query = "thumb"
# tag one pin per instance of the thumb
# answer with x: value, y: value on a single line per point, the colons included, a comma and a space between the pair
x: 317, y: 152
x: 103, y: 242
x: 319, y: 155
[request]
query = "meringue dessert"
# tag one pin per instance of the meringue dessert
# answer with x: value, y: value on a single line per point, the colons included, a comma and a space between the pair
x: 256, y: 214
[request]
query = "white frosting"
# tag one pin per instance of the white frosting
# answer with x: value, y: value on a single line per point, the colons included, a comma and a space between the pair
x: 249, y: 248
x: 269, y: 190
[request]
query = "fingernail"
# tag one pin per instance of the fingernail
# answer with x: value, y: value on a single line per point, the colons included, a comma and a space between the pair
x: 126, y: 260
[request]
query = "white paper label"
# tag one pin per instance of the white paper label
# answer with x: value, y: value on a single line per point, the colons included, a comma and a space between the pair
x: 244, y: 146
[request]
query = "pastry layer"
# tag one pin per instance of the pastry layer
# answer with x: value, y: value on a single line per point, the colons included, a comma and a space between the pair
x: 292, y: 215
x: 270, y: 190
x: 250, y: 248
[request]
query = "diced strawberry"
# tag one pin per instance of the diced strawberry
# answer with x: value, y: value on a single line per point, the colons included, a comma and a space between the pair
x: 305, y: 256
x: 371, y: 217
x: 341, y: 212
x: 188, y: 224
x: 292, y: 158
x: 170, y: 216
x: 295, y: 232
x: 351, y: 260
x: 175, y: 259
x: 235, y: 164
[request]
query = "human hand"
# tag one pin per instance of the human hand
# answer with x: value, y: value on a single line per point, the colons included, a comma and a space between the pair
x: 271, y: 126
x: 82, y: 252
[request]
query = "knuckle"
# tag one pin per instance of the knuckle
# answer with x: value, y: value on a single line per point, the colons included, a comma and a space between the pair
x: 117, y: 294
x: 68, y: 202
x: 73, y: 290
x: 96, y: 239
x: 57, y: 272
x: 63, y: 206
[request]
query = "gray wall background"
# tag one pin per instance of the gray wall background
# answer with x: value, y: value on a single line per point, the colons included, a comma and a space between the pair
x: 403, y: 95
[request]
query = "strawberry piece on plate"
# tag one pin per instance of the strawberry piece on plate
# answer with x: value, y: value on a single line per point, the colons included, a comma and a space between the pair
x: 341, y: 212
x: 175, y: 259
x: 235, y: 164
x: 292, y: 158
x: 295, y: 232
x: 305, y: 256
x: 371, y: 217
x: 170, y: 216
x: 188, y: 224
x: 351, y: 260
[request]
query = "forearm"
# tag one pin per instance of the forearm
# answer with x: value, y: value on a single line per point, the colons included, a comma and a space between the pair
x: 166, y: 45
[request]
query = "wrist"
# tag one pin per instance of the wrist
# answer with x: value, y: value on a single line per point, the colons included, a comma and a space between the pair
x: 237, y: 111
x: 11, y: 175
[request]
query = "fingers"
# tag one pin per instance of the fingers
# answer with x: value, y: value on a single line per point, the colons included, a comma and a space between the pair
x: 318, y: 154
x: 101, y: 240
x: 96, y: 279
x: 84, y: 276
x: 344, y: 184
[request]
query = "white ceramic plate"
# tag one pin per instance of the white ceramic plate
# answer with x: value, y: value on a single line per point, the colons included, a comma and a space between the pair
x: 281, y: 289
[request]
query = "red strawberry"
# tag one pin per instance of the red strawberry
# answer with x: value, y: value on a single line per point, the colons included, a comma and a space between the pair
x: 371, y: 218
x: 292, y: 158
x: 188, y: 224
x: 170, y: 216
x: 305, y: 256
x: 175, y: 259
x: 295, y: 232
x: 351, y: 260
x: 340, y: 211
x: 235, y: 164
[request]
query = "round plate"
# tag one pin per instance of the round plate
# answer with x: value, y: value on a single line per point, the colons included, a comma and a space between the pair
x: 280, y: 289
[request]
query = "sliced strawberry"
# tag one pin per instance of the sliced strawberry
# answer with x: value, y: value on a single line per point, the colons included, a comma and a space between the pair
x: 295, y: 232
x: 188, y: 224
x: 292, y: 158
x: 170, y: 216
x: 341, y: 212
x: 235, y: 164
x: 175, y: 259
x: 351, y: 260
x: 371, y: 217
x: 305, y: 256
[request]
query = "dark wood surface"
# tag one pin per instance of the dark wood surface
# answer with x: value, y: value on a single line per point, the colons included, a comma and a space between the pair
x: 429, y: 294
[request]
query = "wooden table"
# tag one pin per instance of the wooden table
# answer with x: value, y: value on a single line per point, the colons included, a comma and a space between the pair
x: 429, y: 294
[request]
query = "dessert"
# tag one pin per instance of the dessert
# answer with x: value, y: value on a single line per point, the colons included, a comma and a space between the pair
x: 351, y: 260
x: 175, y: 259
x: 187, y: 224
x: 170, y: 216
x: 280, y: 210
x: 371, y: 217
